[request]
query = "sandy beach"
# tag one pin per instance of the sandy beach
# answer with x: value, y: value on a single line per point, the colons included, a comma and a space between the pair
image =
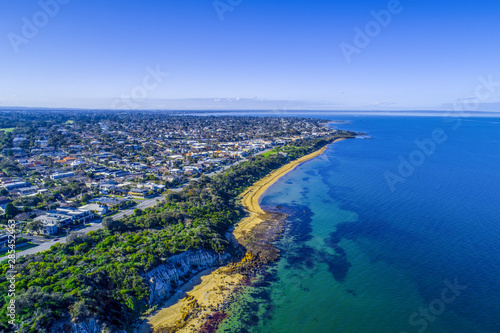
x: 204, y: 294
x: 250, y: 198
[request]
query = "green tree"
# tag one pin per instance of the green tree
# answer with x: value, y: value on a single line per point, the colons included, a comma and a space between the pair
x: 112, y: 225
x: 35, y: 226
x: 86, y: 197
x: 11, y: 210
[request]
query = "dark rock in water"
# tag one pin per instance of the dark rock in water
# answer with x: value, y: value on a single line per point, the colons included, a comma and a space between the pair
x: 213, y: 322
x: 333, y: 240
x: 303, y: 257
x: 253, y: 320
x: 311, y: 172
x: 261, y: 284
x: 272, y: 276
x: 310, y: 264
x: 337, y: 264
x: 339, y: 267
x: 262, y: 294
x: 352, y: 292
x: 295, y: 261
x: 340, y: 251
x: 252, y: 307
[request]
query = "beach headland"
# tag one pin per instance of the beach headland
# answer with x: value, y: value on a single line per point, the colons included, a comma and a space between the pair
x: 205, y: 297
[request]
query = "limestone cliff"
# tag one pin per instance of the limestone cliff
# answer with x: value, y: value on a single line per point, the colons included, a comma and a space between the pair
x: 90, y: 325
x: 164, y: 280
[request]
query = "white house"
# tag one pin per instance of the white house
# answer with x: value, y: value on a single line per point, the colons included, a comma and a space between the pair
x: 95, y: 208
x: 49, y: 229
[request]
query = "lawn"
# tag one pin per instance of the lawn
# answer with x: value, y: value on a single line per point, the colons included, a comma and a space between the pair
x: 20, y: 249
x: 271, y: 152
x: 7, y: 130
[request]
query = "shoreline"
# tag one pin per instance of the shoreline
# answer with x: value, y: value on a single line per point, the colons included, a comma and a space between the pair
x: 213, y: 290
x: 250, y: 198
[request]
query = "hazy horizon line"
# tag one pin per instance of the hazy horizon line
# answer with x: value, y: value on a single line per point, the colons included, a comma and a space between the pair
x: 240, y: 104
x: 263, y: 110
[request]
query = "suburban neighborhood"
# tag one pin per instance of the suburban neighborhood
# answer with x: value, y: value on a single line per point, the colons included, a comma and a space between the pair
x: 63, y: 171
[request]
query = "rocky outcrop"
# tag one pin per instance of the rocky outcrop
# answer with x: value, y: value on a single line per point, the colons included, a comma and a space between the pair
x: 164, y: 280
x: 90, y: 325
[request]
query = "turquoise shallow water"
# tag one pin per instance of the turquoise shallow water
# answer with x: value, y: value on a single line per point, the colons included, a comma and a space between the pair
x: 361, y: 256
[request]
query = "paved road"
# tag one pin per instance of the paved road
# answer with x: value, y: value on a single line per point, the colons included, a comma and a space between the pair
x: 42, y: 247
x: 47, y: 244
x: 32, y: 239
x: 143, y: 204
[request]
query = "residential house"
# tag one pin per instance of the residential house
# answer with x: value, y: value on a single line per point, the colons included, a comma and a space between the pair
x: 62, y: 175
x: 60, y: 219
x: 49, y: 229
x: 26, y: 190
x: 95, y: 208
x: 78, y: 215
x: 13, y: 185
x: 138, y: 193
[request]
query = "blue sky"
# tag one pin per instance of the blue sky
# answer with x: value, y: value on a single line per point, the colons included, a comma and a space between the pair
x: 91, y: 53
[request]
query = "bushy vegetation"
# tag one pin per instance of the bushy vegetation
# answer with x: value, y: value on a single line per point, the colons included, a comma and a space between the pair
x: 101, y: 274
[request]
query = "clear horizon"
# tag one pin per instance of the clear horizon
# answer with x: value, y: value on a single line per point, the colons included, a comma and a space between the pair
x: 224, y: 55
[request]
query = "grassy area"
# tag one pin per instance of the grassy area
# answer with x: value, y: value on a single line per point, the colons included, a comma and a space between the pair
x: 7, y: 130
x: 271, y: 152
x: 31, y: 245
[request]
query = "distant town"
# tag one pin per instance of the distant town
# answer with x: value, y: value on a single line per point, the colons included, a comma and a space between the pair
x: 63, y: 171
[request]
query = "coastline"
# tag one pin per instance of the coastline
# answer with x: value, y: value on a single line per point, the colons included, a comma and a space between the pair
x: 250, y: 198
x: 210, y: 292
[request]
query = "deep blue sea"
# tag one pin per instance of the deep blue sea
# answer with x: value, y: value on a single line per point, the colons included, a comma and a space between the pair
x: 386, y: 235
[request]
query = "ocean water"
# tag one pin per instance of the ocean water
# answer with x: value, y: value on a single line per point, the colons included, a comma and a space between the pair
x: 386, y: 234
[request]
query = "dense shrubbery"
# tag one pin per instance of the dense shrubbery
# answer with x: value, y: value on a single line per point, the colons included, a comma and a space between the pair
x: 100, y: 274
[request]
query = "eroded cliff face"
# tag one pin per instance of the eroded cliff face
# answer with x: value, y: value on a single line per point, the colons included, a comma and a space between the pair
x: 90, y: 325
x: 164, y: 280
